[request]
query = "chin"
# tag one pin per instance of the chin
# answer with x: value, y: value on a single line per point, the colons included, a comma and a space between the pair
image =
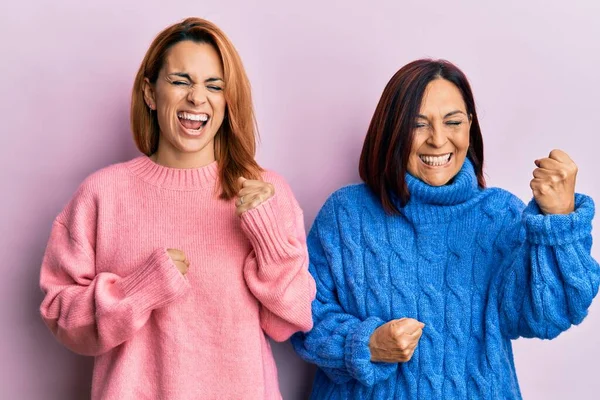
x: 438, y: 181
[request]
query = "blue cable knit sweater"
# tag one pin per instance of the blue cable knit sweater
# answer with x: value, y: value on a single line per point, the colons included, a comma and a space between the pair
x: 476, y: 266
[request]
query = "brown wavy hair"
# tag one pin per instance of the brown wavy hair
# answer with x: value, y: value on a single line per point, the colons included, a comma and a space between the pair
x: 235, y: 142
x: 387, y: 146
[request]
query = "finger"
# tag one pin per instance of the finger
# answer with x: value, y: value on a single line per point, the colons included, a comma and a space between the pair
x: 548, y: 163
x: 416, y: 334
x: 249, y: 182
x: 252, y: 201
x: 539, y: 186
x: 176, y: 255
x: 409, y: 326
x: 245, y: 206
x: 542, y: 173
x: 413, y: 347
x: 249, y: 190
x: 247, y: 199
x: 560, y: 156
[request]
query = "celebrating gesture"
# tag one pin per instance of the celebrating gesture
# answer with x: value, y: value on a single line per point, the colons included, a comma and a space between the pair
x: 252, y: 194
x: 553, y: 183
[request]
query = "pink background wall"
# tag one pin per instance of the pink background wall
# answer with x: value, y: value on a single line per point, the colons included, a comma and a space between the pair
x: 318, y: 69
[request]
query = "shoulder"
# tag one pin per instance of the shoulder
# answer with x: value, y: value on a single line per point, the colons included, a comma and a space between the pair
x: 284, y: 196
x: 501, y: 201
x: 105, y: 182
x: 356, y: 195
x: 275, y: 179
x: 501, y: 210
x: 348, y: 203
x: 106, y: 178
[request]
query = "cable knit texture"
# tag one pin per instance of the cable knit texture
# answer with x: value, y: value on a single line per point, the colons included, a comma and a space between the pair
x: 475, y: 265
x: 112, y: 291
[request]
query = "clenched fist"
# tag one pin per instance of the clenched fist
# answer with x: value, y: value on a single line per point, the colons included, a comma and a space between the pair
x: 252, y: 194
x: 395, y: 341
x: 553, y: 183
x: 179, y: 259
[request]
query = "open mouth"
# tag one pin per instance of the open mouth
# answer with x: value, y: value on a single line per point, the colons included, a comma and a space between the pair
x: 193, y: 123
x: 436, y: 161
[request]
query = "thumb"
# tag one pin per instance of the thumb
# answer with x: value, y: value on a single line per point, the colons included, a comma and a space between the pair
x: 240, y: 182
x: 410, y: 326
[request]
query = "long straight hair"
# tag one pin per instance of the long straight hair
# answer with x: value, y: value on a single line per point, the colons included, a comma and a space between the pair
x: 235, y: 142
x: 386, y: 150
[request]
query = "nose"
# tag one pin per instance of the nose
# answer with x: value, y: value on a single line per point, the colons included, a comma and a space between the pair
x: 196, y: 95
x: 437, y: 137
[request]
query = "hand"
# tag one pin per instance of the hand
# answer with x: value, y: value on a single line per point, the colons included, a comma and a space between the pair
x: 252, y: 194
x: 553, y: 183
x: 395, y: 341
x: 179, y: 259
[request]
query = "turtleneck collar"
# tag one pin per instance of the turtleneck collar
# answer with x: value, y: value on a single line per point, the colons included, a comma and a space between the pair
x: 174, y: 178
x: 440, y: 203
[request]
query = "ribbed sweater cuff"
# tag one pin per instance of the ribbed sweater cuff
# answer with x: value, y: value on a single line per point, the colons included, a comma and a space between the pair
x: 556, y: 230
x: 264, y: 229
x: 156, y: 284
x: 358, y: 354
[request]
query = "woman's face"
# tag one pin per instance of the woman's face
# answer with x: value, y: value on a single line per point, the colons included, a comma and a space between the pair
x: 189, y: 102
x: 441, y: 136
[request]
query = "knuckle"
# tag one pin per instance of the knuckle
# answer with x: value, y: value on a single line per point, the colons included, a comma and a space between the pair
x: 404, y: 344
x: 399, y: 342
x: 563, y: 174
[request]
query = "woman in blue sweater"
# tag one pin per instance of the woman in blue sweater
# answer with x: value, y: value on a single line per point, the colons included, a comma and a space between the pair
x: 424, y: 275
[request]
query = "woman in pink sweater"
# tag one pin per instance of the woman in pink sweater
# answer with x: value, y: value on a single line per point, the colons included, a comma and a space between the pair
x: 170, y: 269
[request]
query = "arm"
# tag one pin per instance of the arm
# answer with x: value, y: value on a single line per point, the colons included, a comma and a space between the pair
x: 549, y: 277
x: 93, y: 313
x: 339, y: 341
x: 276, y: 271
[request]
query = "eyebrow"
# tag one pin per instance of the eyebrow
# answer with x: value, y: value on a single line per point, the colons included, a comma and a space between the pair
x: 450, y: 114
x: 189, y: 78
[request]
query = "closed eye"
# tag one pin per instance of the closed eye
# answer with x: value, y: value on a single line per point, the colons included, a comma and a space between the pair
x: 215, y: 88
x: 180, y: 83
x: 455, y: 123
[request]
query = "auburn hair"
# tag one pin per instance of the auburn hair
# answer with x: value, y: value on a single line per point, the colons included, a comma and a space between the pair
x: 386, y: 150
x: 235, y: 142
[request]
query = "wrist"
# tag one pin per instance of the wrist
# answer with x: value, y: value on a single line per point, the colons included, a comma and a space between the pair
x: 374, y: 348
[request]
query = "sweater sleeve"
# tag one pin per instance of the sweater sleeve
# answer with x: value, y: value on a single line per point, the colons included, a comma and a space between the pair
x: 92, y: 313
x: 339, y: 341
x: 276, y: 270
x: 549, y: 278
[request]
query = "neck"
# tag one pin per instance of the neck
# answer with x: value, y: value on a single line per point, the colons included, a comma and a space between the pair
x: 172, y: 158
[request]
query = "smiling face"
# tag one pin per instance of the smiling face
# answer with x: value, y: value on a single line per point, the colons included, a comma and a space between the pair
x: 189, y: 103
x: 441, y: 135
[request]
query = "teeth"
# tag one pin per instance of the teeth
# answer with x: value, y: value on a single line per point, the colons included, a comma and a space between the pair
x: 193, y: 117
x: 436, y: 161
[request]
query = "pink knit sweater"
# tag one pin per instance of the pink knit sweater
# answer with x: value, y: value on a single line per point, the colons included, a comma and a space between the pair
x: 112, y: 291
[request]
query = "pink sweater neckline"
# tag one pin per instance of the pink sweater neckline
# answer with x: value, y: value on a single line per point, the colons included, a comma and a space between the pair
x: 174, y: 178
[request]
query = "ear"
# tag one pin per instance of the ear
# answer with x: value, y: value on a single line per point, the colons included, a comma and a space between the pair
x: 149, y: 95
